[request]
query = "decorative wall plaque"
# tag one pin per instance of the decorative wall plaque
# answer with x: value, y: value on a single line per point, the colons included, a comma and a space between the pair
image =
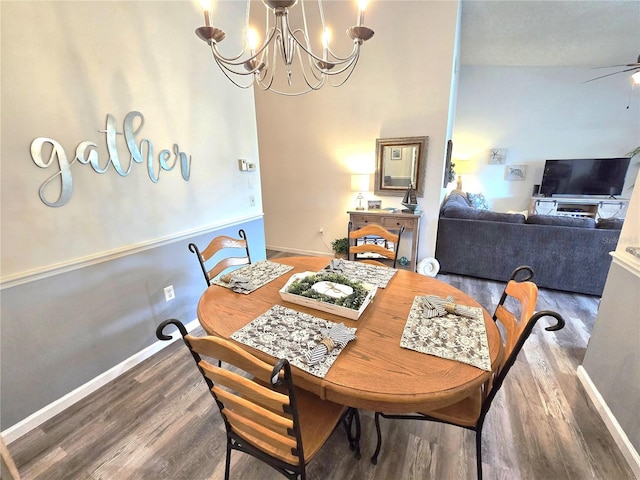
x: 86, y: 153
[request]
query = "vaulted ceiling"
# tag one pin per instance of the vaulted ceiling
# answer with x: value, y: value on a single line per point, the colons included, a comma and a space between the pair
x: 550, y: 33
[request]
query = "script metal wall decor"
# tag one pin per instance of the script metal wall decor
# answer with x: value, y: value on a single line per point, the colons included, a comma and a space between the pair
x: 86, y: 153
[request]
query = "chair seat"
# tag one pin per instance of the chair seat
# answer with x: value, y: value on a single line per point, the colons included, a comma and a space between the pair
x: 465, y: 413
x: 318, y: 419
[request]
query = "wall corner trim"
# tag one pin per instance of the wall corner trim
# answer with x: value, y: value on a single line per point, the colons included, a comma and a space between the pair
x: 619, y: 436
x: 38, y: 418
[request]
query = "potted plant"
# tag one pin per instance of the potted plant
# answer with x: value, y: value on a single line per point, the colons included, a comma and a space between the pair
x: 340, y: 247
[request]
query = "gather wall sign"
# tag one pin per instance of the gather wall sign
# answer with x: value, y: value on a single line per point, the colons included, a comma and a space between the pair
x: 86, y: 153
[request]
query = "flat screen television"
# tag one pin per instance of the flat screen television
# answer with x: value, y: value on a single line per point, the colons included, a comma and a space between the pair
x: 584, y: 176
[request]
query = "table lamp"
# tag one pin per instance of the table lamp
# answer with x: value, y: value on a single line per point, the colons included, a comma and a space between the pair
x: 360, y: 183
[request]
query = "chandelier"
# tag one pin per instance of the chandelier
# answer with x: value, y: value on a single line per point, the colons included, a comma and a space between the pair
x: 286, y: 48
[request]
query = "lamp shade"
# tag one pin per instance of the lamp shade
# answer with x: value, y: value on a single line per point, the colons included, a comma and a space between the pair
x: 360, y: 183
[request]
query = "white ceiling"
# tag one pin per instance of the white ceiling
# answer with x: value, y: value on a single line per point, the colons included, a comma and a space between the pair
x: 550, y: 33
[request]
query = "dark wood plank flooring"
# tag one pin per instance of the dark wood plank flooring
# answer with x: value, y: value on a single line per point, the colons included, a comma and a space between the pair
x: 158, y: 421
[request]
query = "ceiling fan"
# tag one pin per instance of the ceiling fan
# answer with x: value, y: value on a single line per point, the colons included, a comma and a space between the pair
x: 633, y: 67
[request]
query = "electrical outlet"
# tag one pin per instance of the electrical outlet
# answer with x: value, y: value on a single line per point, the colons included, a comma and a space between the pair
x: 252, y: 200
x: 169, y: 294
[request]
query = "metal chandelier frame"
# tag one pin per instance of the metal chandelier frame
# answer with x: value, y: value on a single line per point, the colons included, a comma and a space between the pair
x: 291, y: 44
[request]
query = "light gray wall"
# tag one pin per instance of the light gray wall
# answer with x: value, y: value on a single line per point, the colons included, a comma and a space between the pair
x: 119, y: 240
x: 62, y: 331
x: 612, y: 360
x: 613, y: 355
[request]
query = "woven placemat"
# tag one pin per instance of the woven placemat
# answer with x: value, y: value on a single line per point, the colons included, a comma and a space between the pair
x: 286, y: 333
x: 363, y: 272
x: 450, y: 336
x: 254, y: 276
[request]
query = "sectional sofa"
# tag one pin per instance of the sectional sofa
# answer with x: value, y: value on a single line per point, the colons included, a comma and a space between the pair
x: 566, y: 253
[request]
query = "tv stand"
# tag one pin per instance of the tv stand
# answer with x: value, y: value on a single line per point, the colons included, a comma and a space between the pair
x: 591, y: 207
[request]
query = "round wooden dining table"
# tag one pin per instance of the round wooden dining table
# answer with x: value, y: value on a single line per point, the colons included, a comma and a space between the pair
x: 373, y: 372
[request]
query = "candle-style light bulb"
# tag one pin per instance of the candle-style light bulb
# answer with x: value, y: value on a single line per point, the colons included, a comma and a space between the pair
x: 362, y: 6
x: 326, y: 38
x: 206, y: 7
x: 252, y: 40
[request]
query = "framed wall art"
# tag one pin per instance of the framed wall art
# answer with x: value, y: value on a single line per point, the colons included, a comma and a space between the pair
x: 497, y: 156
x: 515, y: 172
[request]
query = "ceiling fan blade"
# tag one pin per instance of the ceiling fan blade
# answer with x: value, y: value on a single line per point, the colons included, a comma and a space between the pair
x: 637, y: 64
x: 617, y: 66
x: 614, y: 73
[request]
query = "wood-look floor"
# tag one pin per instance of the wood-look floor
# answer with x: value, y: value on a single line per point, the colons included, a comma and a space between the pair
x: 158, y: 421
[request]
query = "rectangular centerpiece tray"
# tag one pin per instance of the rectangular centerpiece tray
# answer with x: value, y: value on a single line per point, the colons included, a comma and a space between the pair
x: 325, y: 306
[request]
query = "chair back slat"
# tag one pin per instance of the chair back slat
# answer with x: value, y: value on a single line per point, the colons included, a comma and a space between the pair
x: 246, y: 387
x: 373, y: 230
x: 219, y: 243
x: 526, y: 295
x: 225, y: 263
x: 371, y: 248
x: 274, y: 444
x: 229, y: 256
x: 277, y: 424
x: 227, y: 351
x: 376, y: 230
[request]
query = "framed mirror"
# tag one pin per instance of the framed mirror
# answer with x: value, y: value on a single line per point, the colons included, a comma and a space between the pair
x: 400, y: 162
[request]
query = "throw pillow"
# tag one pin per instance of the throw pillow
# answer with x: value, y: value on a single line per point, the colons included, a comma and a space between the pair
x: 477, y: 200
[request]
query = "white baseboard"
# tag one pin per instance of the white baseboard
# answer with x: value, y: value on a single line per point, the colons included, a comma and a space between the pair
x: 38, y: 418
x: 619, y: 436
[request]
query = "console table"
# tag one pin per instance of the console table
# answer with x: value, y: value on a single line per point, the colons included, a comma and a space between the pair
x: 392, y: 221
x: 595, y: 208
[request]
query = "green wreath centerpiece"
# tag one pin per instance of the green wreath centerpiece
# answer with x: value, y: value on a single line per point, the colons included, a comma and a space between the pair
x: 353, y: 301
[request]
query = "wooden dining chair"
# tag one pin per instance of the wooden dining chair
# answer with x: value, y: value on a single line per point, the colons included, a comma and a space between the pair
x: 371, y: 234
x: 264, y: 414
x: 470, y: 412
x: 218, y: 244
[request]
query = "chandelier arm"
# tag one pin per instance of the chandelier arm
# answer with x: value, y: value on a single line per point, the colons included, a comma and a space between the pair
x: 320, y: 79
x: 268, y: 86
x: 234, y: 61
x: 354, y: 52
x: 339, y: 84
x: 225, y: 70
x: 268, y: 71
x: 336, y: 60
x: 304, y: 20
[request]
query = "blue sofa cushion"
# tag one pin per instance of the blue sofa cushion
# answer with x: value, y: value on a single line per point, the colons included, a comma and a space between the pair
x: 610, y: 223
x: 561, y: 221
x: 475, y: 214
